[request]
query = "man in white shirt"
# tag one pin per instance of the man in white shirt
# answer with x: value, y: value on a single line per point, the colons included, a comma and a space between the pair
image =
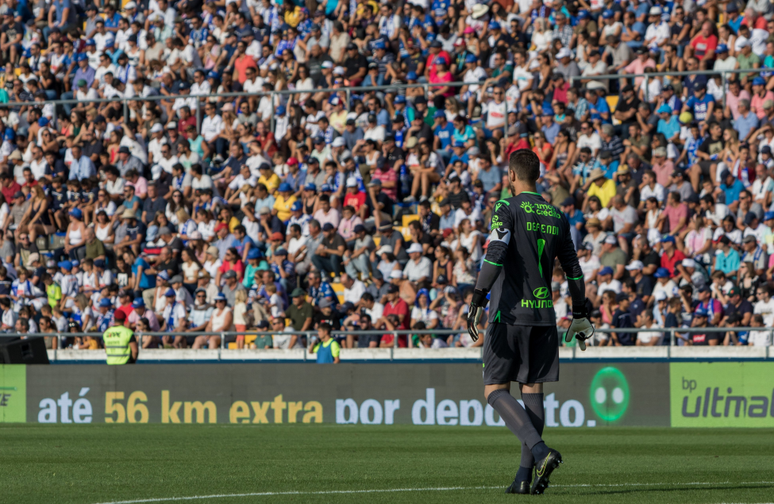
x: 165, y: 162
x: 105, y: 66
x: 244, y: 179
x: 419, y: 267
x: 605, y: 281
x: 496, y: 110
x: 156, y: 141
x: 589, y: 138
x: 353, y: 289
x: 658, y: 32
x: 764, y: 306
x: 38, y: 165
x: 373, y: 131
x: 114, y: 184
x: 589, y: 263
x: 522, y: 76
x: 102, y: 36
x: 722, y: 60
x: 200, y: 87
x: 473, y: 74
x: 212, y: 126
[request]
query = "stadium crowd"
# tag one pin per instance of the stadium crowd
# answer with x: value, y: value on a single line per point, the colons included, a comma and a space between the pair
x: 370, y: 209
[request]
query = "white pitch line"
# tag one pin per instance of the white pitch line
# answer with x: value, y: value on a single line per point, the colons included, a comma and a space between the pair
x: 435, y: 489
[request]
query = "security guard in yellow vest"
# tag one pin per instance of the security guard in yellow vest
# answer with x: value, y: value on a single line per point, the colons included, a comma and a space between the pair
x: 120, y: 344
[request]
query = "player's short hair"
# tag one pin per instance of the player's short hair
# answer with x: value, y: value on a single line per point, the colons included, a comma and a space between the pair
x: 525, y: 164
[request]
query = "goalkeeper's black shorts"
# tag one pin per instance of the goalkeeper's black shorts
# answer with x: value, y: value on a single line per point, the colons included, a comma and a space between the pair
x: 524, y: 354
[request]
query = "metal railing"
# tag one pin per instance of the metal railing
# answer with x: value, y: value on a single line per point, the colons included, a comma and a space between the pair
x: 206, y: 98
x: 648, y: 76
x: 675, y: 333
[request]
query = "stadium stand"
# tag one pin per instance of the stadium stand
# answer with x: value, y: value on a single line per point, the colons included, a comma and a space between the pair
x: 339, y: 162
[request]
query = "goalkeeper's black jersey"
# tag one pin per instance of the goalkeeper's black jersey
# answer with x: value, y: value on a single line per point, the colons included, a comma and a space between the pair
x: 533, y: 233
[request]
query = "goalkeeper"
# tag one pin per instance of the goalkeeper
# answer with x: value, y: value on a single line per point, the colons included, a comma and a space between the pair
x: 522, y: 341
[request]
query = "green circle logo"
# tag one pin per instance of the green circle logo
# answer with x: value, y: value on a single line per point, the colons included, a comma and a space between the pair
x: 609, y: 394
x: 540, y: 293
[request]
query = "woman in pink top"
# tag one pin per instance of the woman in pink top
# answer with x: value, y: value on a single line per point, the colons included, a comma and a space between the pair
x: 442, y: 76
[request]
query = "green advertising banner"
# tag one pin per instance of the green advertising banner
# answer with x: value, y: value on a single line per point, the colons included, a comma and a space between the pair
x: 722, y: 394
x: 588, y: 394
x: 13, y: 393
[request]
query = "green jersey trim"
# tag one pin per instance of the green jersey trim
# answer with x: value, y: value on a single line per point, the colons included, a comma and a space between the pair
x: 579, y: 278
x: 492, y: 263
x: 530, y: 192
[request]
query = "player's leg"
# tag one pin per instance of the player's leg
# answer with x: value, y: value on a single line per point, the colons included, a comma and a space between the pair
x: 502, y: 363
x: 542, y: 349
x: 532, y: 397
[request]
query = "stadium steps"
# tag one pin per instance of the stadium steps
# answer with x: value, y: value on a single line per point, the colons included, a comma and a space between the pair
x: 407, y: 219
x: 612, y: 102
x: 339, y: 290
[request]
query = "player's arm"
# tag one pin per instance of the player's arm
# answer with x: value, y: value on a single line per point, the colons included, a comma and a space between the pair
x: 502, y: 226
x: 580, y: 328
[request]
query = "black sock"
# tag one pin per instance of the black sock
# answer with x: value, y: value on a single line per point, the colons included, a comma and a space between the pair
x: 533, y: 403
x: 540, y: 451
x: 524, y: 473
x: 515, y: 417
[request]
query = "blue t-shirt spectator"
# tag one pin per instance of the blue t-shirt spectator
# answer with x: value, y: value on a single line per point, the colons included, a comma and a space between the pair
x: 146, y: 281
x: 669, y: 128
x: 597, y: 109
x: 744, y: 124
x: 700, y: 82
x: 60, y: 6
x: 700, y: 106
x: 732, y: 192
x: 465, y: 135
x: 444, y: 134
x: 639, y: 28
x: 727, y: 263
x: 490, y: 178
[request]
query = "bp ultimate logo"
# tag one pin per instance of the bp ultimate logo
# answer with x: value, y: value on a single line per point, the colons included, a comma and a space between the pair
x: 722, y: 394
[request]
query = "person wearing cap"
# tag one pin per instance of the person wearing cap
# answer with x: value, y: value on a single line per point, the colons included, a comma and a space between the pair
x: 751, y: 251
x: 299, y: 218
x: 668, y: 124
x: 689, y: 274
x: 664, y: 283
x: 173, y: 319
x: 700, y: 103
x: 710, y: 306
x: 419, y: 269
x: 120, y: 343
x: 671, y: 256
x: 330, y: 253
x: 283, y: 201
x: 140, y: 311
x: 268, y: 178
x: 612, y: 256
x: 597, y: 184
x: 221, y: 320
x: 760, y: 95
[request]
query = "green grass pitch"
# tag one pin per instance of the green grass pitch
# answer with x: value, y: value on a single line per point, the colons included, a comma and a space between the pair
x: 300, y: 463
